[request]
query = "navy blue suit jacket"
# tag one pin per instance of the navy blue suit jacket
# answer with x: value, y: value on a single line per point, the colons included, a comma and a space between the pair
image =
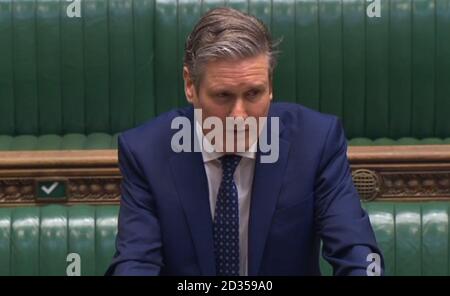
x: 165, y: 224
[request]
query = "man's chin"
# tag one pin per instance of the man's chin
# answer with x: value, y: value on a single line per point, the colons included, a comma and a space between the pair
x: 230, y: 149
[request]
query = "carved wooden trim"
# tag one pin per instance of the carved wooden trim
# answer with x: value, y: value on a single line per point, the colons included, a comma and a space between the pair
x: 415, y: 184
x: 16, y: 190
x: 92, y: 176
x: 94, y: 189
x: 77, y: 190
x: 88, y: 176
x: 401, y: 185
x: 403, y: 173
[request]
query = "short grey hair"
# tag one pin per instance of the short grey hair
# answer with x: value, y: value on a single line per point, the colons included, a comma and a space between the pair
x: 224, y: 33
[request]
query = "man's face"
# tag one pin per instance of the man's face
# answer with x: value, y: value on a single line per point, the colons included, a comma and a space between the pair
x: 232, y: 88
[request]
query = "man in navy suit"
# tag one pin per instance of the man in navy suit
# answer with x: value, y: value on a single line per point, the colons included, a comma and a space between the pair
x: 224, y: 210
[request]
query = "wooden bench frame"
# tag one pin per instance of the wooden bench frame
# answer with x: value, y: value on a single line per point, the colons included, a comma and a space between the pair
x: 92, y: 176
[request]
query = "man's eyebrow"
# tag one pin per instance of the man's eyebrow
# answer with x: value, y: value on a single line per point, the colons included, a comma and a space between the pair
x: 258, y: 86
x: 228, y: 88
x: 219, y: 90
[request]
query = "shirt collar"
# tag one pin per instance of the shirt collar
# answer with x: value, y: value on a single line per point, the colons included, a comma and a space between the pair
x: 209, y: 156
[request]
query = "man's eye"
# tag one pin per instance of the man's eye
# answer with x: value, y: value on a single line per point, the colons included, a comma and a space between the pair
x: 223, y: 95
x: 253, y: 93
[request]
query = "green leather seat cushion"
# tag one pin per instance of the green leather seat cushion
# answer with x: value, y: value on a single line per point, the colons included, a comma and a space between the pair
x: 72, y: 141
x: 414, y: 238
x: 396, y: 142
x: 76, y: 141
x: 37, y: 240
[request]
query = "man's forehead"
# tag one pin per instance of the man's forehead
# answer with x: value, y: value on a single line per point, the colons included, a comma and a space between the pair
x: 227, y: 85
x: 239, y: 64
x: 234, y: 72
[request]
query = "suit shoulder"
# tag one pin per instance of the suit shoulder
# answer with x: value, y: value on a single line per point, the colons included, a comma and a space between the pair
x: 296, y: 115
x: 154, y: 129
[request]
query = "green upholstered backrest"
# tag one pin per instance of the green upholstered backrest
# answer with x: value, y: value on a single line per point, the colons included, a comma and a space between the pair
x: 37, y: 240
x: 120, y: 63
x: 414, y: 238
x: 71, y: 141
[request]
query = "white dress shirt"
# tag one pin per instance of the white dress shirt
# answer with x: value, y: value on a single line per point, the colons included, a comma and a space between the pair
x: 243, y: 177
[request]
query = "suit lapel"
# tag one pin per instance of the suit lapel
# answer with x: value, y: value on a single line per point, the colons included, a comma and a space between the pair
x: 267, y: 183
x: 192, y: 187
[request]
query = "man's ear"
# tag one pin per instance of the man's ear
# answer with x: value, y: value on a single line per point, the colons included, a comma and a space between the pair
x: 270, y: 91
x: 189, y: 89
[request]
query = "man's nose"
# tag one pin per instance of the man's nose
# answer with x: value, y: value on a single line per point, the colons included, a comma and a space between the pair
x: 238, y: 109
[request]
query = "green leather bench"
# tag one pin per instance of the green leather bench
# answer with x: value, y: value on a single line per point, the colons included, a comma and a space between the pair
x: 414, y: 238
x: 37, y: 240
x: 72, y: 141
x: 74, y: 83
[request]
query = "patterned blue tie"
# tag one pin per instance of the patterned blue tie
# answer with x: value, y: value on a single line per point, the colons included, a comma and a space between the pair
x: 226, y: 220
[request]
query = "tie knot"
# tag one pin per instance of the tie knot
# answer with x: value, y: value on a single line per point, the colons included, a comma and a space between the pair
x: 229, y: 164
